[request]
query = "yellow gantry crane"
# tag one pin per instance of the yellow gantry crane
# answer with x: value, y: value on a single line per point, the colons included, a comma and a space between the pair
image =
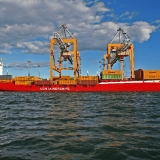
x: 68, y: 52
x: 117, y: 52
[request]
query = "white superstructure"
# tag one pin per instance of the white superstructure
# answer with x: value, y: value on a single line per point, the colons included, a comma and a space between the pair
x: 1, y: 67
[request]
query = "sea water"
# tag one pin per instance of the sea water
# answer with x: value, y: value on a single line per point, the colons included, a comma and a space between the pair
x: 93, y: 126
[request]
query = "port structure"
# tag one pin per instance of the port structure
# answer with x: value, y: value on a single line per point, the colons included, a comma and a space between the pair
x: 117, y: 52
x: 68, y: 52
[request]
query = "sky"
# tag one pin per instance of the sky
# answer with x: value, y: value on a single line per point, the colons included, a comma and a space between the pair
x: 26, y: 27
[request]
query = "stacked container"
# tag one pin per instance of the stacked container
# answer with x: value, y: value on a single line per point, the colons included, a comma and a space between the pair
x: 111, y: 75
x: 67, y: 82
x: 151, y: 74
x: 147, y: 74
x: 87, y: 80
x: 43, y: 83
x: 25, y: 80
x: 65, y: 77
x: 5, y: 78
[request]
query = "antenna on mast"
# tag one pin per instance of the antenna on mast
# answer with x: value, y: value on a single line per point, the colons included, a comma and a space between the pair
x: 28, y: 67
x: 39, y: 70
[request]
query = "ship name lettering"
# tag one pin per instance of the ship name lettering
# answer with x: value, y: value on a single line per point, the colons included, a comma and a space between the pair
x: 43, y: 89
x: 55, y: 88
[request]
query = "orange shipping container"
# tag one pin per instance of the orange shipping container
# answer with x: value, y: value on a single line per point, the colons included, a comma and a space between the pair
x: 65, y: 77
x: 88, y: 78
x: 23, y: 82
x: 6, y: 81
x: 26, y: 78
x: 111, y: 72
x: 151, y: 77
x: 67, y: 82
x: 151, y: 74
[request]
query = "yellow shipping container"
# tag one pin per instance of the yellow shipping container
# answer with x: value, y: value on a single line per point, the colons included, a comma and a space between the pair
x: 111, y: 72
x: 23, y: 82
x: 62, y: 78
x: 67, y: 82
x: 6, y: 81
x: 151, y: 77
x: 21, y: 78
x: 66, y: 77
x: 26, y: 78
x: 152, y: 72
x: 88, y: 78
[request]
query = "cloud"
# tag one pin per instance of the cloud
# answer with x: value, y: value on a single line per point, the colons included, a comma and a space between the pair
x: 5, y: 51
x: 157, y: 21
x: 24, y: 65
x: 37, y: 47
x: 128, y: 15
x: 25, y: 21
x: 140, y: 31
x: 125, y: 16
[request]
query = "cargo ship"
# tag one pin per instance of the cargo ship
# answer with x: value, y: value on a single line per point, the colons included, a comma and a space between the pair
x: 109, y: 80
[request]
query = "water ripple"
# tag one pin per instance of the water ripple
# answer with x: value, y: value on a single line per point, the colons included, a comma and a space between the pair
x: 75, y: 126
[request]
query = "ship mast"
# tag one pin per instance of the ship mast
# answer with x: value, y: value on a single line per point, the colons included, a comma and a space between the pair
x: 1, y: 67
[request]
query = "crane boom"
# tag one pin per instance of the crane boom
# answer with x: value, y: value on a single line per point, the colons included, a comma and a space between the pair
x: 125, y: 44
x: 118, y: 50
x: 64, y: 47
x: 59, y: 42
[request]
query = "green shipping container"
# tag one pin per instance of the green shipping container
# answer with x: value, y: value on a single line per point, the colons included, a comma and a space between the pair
x: 111, y: 76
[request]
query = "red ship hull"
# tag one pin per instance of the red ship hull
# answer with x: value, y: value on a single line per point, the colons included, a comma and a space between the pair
x: 123, y: 86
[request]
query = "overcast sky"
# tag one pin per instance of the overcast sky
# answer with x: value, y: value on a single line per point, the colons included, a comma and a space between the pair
x: 27, y: 25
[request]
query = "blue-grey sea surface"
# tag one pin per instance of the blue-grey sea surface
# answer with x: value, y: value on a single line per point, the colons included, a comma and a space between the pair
x: 75, y: 126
